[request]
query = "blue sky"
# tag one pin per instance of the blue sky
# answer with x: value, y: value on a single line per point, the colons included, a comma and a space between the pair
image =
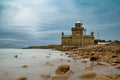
x: 40, y: 22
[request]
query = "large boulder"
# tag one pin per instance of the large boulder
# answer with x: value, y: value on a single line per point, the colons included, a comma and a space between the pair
x: 87, y: 75
x: 62, y: 69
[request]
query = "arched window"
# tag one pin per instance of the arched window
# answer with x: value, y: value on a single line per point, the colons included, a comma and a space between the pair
x: 88, y: 40
x: 77, y: 40
x: 66, y: 40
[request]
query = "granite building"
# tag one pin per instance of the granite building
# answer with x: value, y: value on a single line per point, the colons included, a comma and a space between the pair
x: 77, y: 38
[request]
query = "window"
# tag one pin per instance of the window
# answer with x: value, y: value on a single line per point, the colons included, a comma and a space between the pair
x: 89, y: 40
x: 77, y: 40
x: 66, y: 40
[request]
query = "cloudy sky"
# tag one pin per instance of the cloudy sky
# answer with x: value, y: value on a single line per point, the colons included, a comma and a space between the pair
x: 40, y: 22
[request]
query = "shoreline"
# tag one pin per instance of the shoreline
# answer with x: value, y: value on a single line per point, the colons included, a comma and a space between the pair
x: 95, y: 62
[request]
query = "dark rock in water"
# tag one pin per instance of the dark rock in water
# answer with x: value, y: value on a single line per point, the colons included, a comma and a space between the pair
x: 45, y: 76
x: 16, y: 56
x: 24, y: 66
x: 62, y: 69
x: 93, y: 58
x: 66, y: 53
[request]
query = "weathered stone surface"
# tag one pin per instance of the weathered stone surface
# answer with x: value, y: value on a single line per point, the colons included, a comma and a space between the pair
x: 102, y: 78
x: 22, y: 78
x: 68, y: 73
x: 117, y: 66
x: 89, y: 74
x: 113, y: 76
x: 59, y: 77
x: 102, y: 63
x: 62, y: 69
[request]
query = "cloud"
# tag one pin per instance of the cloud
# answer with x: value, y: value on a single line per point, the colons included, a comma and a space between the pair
x: 45, y: 19
x: 9, y: 41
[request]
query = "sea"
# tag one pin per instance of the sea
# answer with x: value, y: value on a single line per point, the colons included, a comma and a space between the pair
x: 32, y: 63
x: 38, y: 61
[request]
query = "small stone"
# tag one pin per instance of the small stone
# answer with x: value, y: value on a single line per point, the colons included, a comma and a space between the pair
x: 101, y: 78
x: 48, y: 64
x: 88, y: 67
x: 117, y: 66
x: 86, y: 75
x: 16, y: 56
x: 62, y: 69
x: 103, y: 63
x: 22, y: 78
x: 69, y: 60
x: 24, y: 66
x: 68, y: 73
x: 45, y: 76
x: 59, y: 77
x: 113, y: 76
x: 93, y: 58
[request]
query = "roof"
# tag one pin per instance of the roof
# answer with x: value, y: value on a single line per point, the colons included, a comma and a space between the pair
x: 78, y: 22
x: 88, y: 36
x: 67, y: 35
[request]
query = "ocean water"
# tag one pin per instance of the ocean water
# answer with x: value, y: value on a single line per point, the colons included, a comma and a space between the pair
x: 42, y: 61
x: 35, y: 59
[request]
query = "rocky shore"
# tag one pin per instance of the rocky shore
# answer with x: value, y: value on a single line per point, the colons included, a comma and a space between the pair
x: 95, y: 62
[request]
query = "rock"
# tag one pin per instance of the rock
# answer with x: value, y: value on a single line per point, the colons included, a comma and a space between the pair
x: 101, y: 78
x: 61, y: 54
x: 114, y: 60
x: 62, y: 69
x: 117, y: 66
x: 68, y: 73
x: 69, y: 60
x: 113, y: 76
x: 84, y: 61
x: 59, y: 77
x: 33, y: 57
x: 24, y: 66
x: 45, y: 76
x: 88, y: 67
x: 103, y: 63
x: 16, y: 56
x: 48, y: 64
x: 66, y: 53
x: 93, y: 58
x: 86, y: 75
x: 47, y: 56
x: 22, y: 78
